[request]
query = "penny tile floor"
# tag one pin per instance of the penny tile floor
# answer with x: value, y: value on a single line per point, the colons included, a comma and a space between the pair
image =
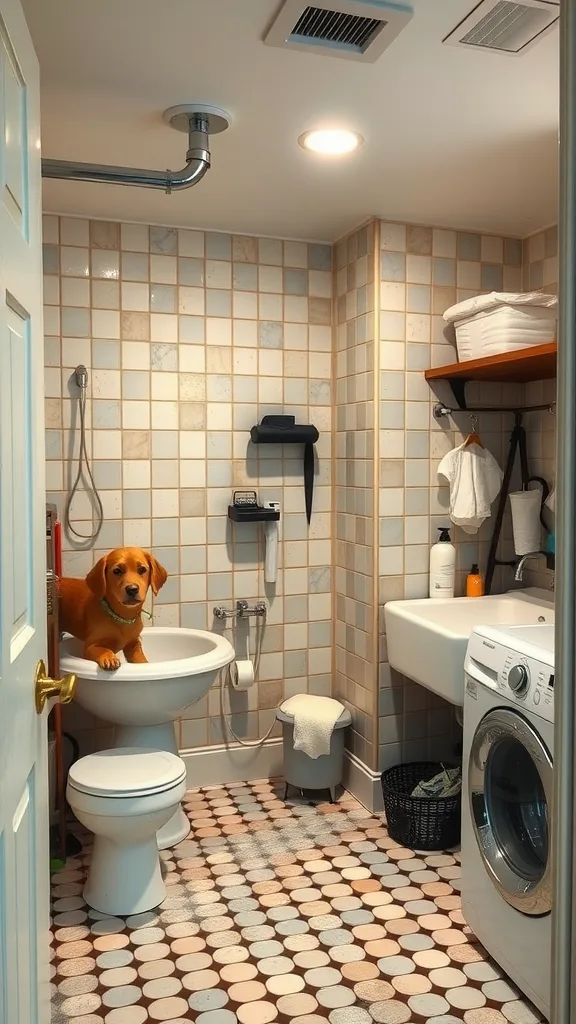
x: 280, y: 911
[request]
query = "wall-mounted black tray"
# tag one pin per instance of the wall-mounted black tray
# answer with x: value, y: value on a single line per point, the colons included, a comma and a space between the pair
x: 250, y: 514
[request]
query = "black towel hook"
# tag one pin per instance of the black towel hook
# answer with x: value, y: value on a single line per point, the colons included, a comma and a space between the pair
x: 285, y: 430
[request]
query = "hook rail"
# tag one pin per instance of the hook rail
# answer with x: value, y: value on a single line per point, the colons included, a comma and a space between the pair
x: 440, y: 410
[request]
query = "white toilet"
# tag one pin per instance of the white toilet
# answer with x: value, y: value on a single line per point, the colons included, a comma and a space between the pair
x: 124, y: 796
x: 144, y: 700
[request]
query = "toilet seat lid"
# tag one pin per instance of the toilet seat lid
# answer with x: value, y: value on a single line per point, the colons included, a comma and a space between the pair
x: 127, y: 771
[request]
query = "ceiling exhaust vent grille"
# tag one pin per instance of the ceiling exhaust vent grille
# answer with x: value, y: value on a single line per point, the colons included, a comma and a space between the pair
x: 505, y: 27
x: 335, y: 27
x: 353, y: 29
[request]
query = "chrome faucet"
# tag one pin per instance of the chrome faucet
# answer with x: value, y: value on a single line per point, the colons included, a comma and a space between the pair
x: 242, y: 610
x: 518, y: 575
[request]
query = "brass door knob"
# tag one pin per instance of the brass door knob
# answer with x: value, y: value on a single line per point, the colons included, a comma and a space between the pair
x: 45, y: 688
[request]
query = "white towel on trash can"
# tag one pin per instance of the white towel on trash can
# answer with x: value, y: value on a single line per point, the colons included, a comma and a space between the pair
x: 314, y: 721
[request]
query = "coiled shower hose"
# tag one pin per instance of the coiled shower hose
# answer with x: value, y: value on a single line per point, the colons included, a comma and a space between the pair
x: 225, y: 680
x: 81, y: 375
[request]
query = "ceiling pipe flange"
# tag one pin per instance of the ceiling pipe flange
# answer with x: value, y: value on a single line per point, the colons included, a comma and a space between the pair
x: 178, y: 117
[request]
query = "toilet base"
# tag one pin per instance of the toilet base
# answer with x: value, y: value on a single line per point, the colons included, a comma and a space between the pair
x: 157, y: 737
x: 124, y: 880
x: 174, y: 831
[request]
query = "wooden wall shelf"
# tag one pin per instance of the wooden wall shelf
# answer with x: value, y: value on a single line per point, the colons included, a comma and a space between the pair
x: 526, y: 364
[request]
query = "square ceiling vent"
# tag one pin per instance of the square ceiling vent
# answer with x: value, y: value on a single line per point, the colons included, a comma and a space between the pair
x: 501, y: 26
x: 352, y: 29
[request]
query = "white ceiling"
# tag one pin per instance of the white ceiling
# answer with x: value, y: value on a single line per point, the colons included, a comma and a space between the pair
x: 454, y: 139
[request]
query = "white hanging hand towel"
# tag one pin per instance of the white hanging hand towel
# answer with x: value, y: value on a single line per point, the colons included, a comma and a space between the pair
x: 475, y: 479
x: 314, y: 721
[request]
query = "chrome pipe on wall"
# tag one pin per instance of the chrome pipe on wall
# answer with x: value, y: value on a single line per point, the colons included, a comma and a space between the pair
x: 197, y: 163
x: 564, y: 805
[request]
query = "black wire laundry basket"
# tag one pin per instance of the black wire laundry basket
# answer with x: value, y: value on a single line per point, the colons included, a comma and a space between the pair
x: 419, y: 823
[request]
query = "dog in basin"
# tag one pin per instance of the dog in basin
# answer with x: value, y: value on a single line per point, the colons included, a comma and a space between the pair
x: 105, y: 609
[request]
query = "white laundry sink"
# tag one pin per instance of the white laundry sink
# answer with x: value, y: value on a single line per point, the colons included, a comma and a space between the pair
x: 427, y: 639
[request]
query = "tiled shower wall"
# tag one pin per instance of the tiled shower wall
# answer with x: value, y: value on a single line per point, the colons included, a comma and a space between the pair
x: 388, y: 501
x: 354, y: 473
x: 189, y: 339
x: 423, y: 271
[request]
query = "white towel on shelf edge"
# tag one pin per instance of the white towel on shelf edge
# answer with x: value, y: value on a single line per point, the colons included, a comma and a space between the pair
x: 314, y: 721
x: 475, y: 478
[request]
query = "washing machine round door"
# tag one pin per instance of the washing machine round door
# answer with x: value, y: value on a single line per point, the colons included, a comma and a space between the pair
x: 510, y: 793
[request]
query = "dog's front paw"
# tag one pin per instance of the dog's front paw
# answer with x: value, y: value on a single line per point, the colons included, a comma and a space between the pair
x: 108, y: 661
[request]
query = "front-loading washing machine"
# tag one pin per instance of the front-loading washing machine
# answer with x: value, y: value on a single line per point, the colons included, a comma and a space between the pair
x: 507, y: 800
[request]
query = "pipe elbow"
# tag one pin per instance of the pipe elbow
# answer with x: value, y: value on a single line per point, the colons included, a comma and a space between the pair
x: 191, y: 174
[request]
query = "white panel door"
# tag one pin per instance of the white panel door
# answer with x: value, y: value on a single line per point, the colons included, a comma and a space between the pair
x: 24, y: 854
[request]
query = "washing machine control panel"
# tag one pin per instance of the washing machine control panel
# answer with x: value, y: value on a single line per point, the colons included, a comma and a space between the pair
x: 522, y: 679
x: 519, y: 679
x: 529, y: 682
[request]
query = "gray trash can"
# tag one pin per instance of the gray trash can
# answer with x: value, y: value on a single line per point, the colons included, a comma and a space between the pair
x: 305, y: 772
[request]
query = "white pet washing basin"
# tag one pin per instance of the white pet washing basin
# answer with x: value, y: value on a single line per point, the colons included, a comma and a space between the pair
x: 427, y: 639
x: 143, y: 701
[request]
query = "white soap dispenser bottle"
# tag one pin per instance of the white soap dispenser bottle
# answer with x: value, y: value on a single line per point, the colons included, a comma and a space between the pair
x: 442, y: 566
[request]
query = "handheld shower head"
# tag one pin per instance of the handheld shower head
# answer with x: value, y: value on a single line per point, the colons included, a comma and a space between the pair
x: 84, y: 473
x: 81, y: 375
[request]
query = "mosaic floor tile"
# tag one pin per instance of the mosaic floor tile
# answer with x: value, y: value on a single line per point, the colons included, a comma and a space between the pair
x: 278, y: 912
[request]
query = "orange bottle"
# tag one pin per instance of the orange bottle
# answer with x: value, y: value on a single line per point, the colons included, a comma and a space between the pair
x: 474, y: 583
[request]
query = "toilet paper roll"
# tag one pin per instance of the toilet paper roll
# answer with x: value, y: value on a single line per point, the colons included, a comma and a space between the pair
x: 241, y: 675
x: 526, y: 525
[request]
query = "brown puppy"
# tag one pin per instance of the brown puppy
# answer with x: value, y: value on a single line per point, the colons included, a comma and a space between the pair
x: 104, y: 609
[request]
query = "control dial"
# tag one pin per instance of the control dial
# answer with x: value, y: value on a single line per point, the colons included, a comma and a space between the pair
x: 519, y: 680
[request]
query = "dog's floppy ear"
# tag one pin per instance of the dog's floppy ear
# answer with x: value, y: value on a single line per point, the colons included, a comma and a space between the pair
x: 158, y: 574
x: 96, y: 578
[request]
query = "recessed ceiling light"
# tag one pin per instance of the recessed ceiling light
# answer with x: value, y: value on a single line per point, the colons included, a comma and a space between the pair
x: 331, y: 141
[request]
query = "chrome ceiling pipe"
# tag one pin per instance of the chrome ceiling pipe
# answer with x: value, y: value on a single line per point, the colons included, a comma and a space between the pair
x: 199, y: 121
x: 197, y: 163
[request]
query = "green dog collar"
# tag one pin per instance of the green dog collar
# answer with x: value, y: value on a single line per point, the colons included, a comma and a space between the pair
x: 117, y: 618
